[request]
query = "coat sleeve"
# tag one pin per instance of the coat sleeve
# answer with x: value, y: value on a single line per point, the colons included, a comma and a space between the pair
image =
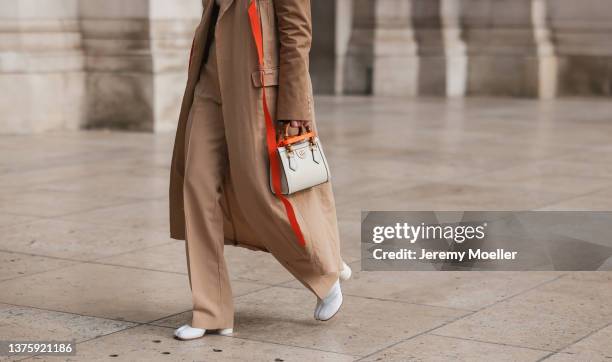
x: 294, y: 21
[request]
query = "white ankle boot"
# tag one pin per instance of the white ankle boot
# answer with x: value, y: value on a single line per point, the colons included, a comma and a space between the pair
x: 346, y: 272
x: 328, y: 307
x: 187, y: 332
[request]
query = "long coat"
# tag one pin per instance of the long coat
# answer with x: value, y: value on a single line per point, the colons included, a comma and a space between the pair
x: 253, y: 216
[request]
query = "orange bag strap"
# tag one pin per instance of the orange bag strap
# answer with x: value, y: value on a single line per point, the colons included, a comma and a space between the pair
x: 275, y: 171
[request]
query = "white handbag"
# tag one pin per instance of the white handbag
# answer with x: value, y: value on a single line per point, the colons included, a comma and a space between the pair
x: 303, y: 163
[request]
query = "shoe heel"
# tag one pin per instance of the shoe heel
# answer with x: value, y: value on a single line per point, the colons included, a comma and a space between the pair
x: 346, y: 272
x: 225, y: 332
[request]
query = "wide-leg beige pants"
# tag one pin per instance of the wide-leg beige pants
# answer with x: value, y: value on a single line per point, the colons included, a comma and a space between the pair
x: 206, y: 145
x: 206, y: 172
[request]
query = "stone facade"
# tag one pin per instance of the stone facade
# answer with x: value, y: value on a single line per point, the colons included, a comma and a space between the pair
x: 136, y: 59
x: 69, y: 64
x: 524, y: 48
x: 582, y: 33
x: 41, y: 66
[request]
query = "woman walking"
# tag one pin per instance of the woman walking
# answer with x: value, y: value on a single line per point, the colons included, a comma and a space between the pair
x: 248, y: 70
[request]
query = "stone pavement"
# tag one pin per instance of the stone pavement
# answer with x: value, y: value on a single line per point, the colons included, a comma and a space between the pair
x: 85, y: 252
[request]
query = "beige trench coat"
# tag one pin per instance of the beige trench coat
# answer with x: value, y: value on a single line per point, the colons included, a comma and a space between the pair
x: 253, y: 216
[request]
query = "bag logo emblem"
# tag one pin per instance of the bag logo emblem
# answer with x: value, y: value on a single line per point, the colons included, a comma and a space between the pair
x: 301, y: 153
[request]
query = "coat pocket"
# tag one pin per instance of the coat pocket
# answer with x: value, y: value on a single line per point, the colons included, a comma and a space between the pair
x: 270, y: 77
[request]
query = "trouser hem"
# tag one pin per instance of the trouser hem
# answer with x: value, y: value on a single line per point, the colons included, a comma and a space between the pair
x: 200, y: 320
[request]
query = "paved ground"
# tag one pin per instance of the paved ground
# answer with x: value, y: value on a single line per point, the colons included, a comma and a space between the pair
x: 84, y: 251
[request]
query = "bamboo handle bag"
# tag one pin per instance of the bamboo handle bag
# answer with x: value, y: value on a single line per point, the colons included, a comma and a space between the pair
x: 302, y: 160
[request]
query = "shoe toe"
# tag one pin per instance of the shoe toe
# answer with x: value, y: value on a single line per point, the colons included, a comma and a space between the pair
x: 180, y: 329
x: 187, y: 332
x: 330, y: 310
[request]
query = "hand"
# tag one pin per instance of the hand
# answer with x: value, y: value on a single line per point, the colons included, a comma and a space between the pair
x: 298, y: 124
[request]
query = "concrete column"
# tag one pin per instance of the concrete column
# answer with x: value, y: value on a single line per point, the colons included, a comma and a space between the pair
x: 359, y: 60
x: 136, y: 60
x: 382, y: 54
x: 396, y: 62
x: 509, y: 48
x: 344, y: 24
x: 41, y: 66
x: 322, y: 54
x: 332, y: 25
x: 442, y: 51
x: 582, y: 32
x: 547, y: 58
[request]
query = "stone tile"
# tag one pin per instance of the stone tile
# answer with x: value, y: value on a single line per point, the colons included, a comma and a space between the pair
x: 465, y: 196
x: 55, y: 203
x: 350, y: 239
x: 558, y: 166
x: 542, y: 180
x: 248, y: 265
x: 9, y: 219
x: 436, y: 348
x: 118, y: 184
x: 13, y: 265
x: 598, y: 166
x: 243, y: 264
x: 549, y: 317
x: 41, y: 153
x: 150, y: 215
x: 106, y: 291
x: 23, y: 323
x: 46, y: 154
x: 153, y: 171
x: 369, y: 173
x: 468, y: 154
x: 45, y: 175
x: 596, y: 347
x: 595, y: 201
x: 456, y: 196
x: 285, y: 316
x: 169, y: 257
x: 462, y: 290
x: 77, y: 240
x: 349, y: 227
x: 151, y: 343
x: 604, y: 277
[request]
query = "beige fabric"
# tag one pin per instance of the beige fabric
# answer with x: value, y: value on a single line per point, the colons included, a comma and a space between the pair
x: 204, y: 176
x: 219, y: 186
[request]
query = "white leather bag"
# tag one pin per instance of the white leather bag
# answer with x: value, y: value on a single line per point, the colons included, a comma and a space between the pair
x: 303, y: 163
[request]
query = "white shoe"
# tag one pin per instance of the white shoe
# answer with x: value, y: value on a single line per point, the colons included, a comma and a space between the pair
x: 328, y: 307
x: 224, y: 332
x: 187, y: 332
x: 346, y: 272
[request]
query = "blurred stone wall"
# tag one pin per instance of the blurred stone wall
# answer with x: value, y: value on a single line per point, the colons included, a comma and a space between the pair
x: 41, y: 66
x: 136, y: 55
x: 70, y: 64
x: 454, y: 48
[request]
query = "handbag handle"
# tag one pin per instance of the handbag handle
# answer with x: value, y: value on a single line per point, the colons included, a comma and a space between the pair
x: 286, y: 140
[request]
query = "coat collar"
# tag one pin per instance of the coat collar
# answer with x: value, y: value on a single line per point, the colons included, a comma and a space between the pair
x: 225, y: 4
